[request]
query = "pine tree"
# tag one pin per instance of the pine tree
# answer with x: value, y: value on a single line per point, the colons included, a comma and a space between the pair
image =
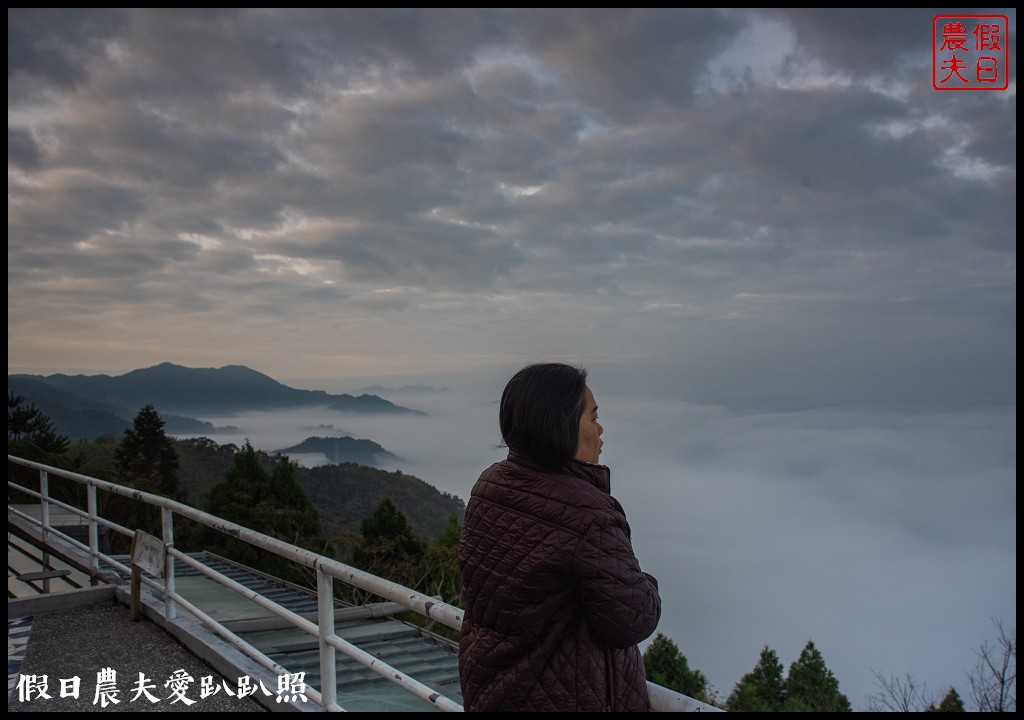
x: 951, y: 702
x: 273, y: 504
x: 26, y: 423
x: 31, y: 436
x: 389, y: 548
x: 762, y: 689
x: 147, y: 458
x: 811, y: 686
x: 667, y: 666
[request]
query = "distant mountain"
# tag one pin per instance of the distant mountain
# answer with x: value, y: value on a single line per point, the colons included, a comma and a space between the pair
x: 342, y: 450
x: 197, y: 391
x: 75, y: 418
x: 404, y: 390
x: 88, y: 406
x: 369, y: 404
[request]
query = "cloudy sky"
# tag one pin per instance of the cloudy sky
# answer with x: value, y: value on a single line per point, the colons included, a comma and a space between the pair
x: 769, y: 216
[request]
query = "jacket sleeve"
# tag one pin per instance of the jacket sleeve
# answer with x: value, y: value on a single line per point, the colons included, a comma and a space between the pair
x: 621, y: 602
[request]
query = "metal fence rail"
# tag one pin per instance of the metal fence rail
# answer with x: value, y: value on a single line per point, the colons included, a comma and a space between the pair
x: 327, y: 571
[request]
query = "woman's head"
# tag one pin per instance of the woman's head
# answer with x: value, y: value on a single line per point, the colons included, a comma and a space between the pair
x: 540, y: 412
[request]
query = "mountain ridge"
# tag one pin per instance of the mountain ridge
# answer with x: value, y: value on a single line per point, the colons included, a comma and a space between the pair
x: 341, y: 449
x: 107, y: 404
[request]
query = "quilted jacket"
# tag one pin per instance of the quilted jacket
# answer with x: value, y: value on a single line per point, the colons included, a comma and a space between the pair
x: 555, y: 600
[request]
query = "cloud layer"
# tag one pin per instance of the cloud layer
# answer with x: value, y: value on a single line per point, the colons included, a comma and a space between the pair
x: 711, y: 191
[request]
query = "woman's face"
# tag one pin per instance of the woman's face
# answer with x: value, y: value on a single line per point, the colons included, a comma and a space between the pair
x: 588, y: 449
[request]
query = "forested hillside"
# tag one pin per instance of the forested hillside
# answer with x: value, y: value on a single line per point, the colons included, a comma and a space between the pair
x: 347, y: 493
x: 344, y: 494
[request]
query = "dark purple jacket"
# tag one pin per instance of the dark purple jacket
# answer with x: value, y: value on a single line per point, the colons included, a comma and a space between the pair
x: 555, y: 600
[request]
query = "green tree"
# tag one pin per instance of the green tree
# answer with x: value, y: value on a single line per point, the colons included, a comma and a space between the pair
x: 762, y: 689
x: 811, y: 686
x: 146, y: 458
x: 271, y: 503
x: 31, y: 436
x: 287, y: 512
x: 667, y: 666
x: 441, y: 573
x: 389, y: 548
x: 951, y: 702
x: 204, y: 464
x: 27, y: 424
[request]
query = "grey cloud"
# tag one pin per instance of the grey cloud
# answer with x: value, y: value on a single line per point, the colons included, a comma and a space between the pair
x: 22, y: 150
x: 186, y: 60
x: 992, y: 137
x: 625, y: 63
x: 53, y: 47
x: 370, y: 134
x: 499, y: 164
x: 299, y: 52
x: 863, y: 41
x: 69, y: 209
x: 117, y: 257
x: 419, y: 252
x: 153, y: 147
x: 845, y: 352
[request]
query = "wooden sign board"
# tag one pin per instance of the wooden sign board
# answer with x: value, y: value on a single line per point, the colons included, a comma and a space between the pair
x: 148, y: 553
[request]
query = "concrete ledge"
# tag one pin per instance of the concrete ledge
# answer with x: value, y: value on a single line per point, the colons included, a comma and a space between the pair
x: 63, y: 600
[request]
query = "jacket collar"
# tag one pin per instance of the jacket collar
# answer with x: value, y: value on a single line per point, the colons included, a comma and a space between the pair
x: 597, y: 475
x: 600, y: 476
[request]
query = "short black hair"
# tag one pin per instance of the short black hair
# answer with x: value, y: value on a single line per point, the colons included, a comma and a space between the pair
x: 540, y: 412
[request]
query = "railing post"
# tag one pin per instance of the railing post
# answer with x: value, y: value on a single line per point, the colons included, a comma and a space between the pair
x: 325, y: 613
x: 170, y: 607
x: 94, y: 538
x: 44, y: 517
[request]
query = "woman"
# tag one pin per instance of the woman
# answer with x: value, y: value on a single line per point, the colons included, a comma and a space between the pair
x: 555, y: 600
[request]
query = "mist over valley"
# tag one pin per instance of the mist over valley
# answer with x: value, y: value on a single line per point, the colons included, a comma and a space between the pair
x: 859, y: 529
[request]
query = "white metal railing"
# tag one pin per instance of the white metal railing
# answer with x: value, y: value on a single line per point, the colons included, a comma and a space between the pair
x: 327, y: 571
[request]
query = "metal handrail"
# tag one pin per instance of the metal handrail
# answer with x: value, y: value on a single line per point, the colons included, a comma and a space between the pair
x: 327, y: 570
x: 411, y: 599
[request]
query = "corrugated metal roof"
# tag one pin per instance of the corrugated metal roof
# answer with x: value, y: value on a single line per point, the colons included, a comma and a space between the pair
x: 429, y: 659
